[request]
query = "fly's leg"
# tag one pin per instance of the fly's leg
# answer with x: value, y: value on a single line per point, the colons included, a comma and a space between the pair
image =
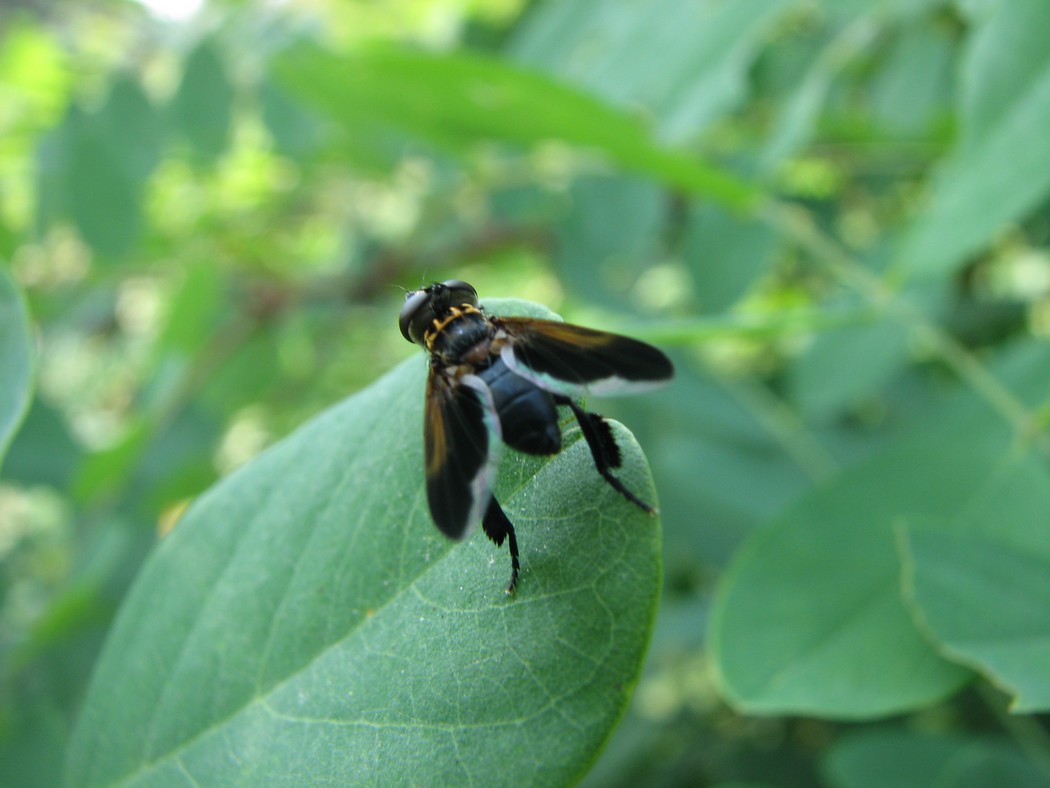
x: 497, y: 527
x: 604, y: 451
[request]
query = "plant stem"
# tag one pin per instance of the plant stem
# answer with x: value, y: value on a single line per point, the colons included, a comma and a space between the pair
x: 796, y: 223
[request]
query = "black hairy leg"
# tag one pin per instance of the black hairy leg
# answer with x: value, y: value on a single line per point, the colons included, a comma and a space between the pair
x: 604, y: 450
x: 497, y: 527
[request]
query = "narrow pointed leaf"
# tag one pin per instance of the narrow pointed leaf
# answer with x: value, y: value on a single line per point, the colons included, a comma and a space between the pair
x: 385, y: 97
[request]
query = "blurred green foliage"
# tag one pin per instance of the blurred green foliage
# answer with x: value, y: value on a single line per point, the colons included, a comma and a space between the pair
x: 834, y: 216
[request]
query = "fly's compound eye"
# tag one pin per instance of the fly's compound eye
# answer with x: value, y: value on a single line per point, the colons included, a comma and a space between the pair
x: 460, y: 292
x: 416, y: 314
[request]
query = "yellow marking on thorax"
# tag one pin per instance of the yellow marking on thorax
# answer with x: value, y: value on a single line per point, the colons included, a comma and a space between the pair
x: 438, y: 325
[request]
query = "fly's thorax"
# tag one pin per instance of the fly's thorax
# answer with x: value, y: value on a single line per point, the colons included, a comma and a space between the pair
x: 462, y: 335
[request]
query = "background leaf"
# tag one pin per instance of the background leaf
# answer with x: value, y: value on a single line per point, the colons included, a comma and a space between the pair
x: 726, y: 254
x: 706, y: 48
x: 786, y: 642
x: 100, y: 188
x: 309, y: 595
x: 611, y: 224
x: 900, y: 758
x: 450, y: 100
x: 981, y: 588
x: 202, y: 107
x: 823, y: 390
x: 998, y: 171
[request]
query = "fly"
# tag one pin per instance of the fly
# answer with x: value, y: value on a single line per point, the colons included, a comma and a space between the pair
x: 500, y: 379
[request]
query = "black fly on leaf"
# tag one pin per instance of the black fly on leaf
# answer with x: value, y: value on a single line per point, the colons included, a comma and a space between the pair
x: 500, y: 379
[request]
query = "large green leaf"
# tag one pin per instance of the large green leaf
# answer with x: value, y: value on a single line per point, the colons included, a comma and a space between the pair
x: 306, y: 623
x: 385, y: 98
x: 987, y: 602
x: 16, y: 360
x: 1000, y: 168
x: 983, y: 589
x: 810, y: 617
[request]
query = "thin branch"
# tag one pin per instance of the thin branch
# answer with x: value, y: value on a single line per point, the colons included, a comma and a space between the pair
x: 796, y: 224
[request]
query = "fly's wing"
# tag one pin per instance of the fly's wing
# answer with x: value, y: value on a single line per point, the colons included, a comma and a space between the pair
x: 460, y: 463
x: 564, y: 358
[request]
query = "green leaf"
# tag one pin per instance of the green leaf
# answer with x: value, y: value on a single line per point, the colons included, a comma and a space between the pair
x: 384, y: 98
x: 295, y: 131
x: 712, y: 446
x: 705, y: 50
x: 16, y: 360
x: 983, y: 590
x: 810, y: 618
x: 44, y: 451
x: 826, y: 379
x: 203, y: 105
x: 95, y: 165
x: 897, y: 758
x: 987, y: 603
x: 133, y: 127
x: 726, y: 254
x: 1000, y: 169
x: 912, y: 87
x: 33, y: 739
x: 85, y: 163
x: 305, y: 621
x: 794, y: 582
x: 609, y: 234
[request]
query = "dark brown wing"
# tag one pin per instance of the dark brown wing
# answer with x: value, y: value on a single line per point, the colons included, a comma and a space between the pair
x: 459, y: 463
x: 561, y: 357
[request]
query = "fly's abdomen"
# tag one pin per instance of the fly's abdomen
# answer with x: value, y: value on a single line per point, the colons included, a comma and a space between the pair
x: 527, y: 415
